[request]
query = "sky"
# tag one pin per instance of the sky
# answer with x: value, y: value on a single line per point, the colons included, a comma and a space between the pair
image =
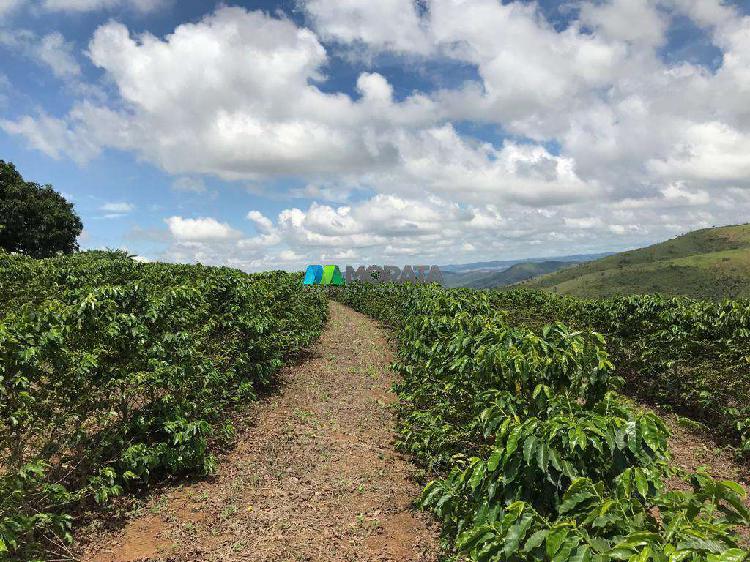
x: 272, y: 135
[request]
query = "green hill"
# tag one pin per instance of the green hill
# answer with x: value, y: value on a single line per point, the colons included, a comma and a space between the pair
x: 514, y: 274
x: 709, y: 263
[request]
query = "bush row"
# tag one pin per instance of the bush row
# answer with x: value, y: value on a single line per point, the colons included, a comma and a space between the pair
x: 691, y: 355
x: 114, y: 373
x: 538, y: 457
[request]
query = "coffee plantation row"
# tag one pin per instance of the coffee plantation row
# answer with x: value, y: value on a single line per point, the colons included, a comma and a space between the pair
x: 690, y: 355
x: 114, y: 374
x: 539, y: 458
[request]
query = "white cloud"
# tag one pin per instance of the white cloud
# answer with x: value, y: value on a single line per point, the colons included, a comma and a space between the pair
x: 189, y: 184
x: 6, y: 6
x: 474, y: 233
x: 706, y: 12
x: 204, y: 228
x: 603, y: 139
x: 440, y: 160
x: 54, y: 137
x: 336, y: 193
x: 385, y: 24
x: 399, y: 230
x: 120, y: 207
x: 708, y: 151
x: 638, y: 21
x: 51, y: 50
x: 261, y: 222
x: 57, y: 53
x: 252, y: 127
x: 676, y: 193
x: 258, y: 112
x: 94, y: 5
x: 583, y: 223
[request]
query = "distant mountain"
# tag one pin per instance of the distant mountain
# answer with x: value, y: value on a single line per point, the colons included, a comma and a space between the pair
x: 514, y: 274
x: 505, y: 264
x: 710, y: 263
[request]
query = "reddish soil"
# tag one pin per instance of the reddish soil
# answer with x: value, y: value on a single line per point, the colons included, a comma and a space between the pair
x: 693, y: 447
x: 314, y: 475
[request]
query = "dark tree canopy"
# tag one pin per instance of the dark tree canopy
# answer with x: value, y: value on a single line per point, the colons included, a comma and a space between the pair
x: 35, y: 219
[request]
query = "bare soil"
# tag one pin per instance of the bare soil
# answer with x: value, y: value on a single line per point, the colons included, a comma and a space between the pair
x: 693, y: 447
x: 314, y: 475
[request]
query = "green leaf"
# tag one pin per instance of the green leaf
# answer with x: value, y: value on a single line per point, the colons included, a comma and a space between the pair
x: 652, y: 432
x: 735, y: 487
x: 542, y: 457
x: 477, y: 475
x: 563, y: 555
x: 582, y: 554
x: 516, y: 534
x: 535, y: 540
x: 494, y: 460
x: 574, y: 500
x: 529, y: 448
x: 731, y: 555
x: 555, y: 539
x: 641, y: 482
x: 512, y: 443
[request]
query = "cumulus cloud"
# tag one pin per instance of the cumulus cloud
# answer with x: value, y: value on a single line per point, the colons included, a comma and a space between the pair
x: 94, y: 5
x: 189, y: 184
x: 118, y: 207
x: 708, y: 151
x: 259, y: 114
x: 6, y: 6
x: 252, y: 126
x: 53, y: 136
x: 395, y: 229
x: 386, y: 24
x: 261, y: 222
x: 641, y: 22
x: 204, y: 228
x: 51, y: 50
x: 599, y: 137
x: 442, y: 161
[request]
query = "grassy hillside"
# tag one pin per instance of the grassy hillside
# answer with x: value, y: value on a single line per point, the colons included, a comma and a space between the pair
x: 502, y: 265
x: 514, y: 274
x: 711, y: 263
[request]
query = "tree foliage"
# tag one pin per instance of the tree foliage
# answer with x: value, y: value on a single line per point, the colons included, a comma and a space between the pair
x: 35, y: 219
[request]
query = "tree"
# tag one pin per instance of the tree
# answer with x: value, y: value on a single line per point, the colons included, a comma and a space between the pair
x: 35, y: 219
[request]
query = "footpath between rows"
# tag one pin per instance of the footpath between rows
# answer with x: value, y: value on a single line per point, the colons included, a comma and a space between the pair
x: 314, y: 475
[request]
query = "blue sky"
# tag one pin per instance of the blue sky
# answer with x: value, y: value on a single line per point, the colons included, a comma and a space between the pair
x: 275, y: 134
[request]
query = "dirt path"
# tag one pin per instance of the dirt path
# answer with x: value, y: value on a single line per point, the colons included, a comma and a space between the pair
x: 314, y: 476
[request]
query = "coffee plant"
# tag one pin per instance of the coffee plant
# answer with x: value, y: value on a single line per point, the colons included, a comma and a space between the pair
x: 690, y: 355
x: 537, y: 456
x: 114, y: 374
